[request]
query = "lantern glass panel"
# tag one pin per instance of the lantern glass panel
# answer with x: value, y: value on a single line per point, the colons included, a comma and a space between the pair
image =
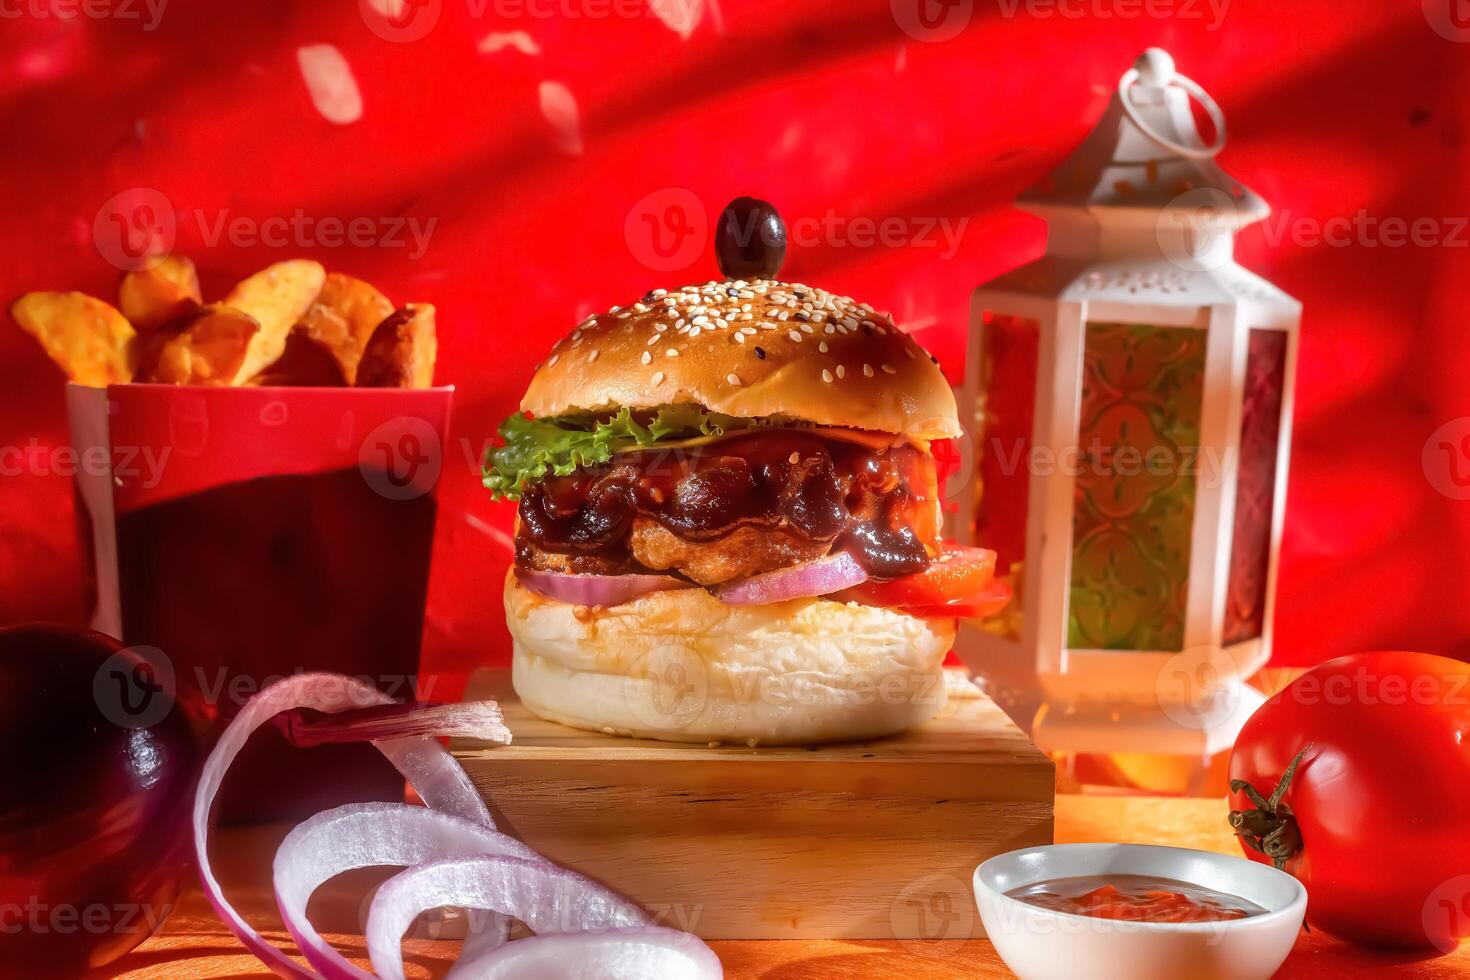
x: 1255, y: 485
x: 1138, y: 445
x: 1005, y: 416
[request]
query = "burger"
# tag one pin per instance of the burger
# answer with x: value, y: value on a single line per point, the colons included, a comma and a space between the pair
x: 728, y: 521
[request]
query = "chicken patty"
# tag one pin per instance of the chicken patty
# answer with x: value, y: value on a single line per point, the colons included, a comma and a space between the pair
x: 744, y: 551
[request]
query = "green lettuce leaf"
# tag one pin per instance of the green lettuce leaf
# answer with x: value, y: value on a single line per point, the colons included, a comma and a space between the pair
x: 532, y: 449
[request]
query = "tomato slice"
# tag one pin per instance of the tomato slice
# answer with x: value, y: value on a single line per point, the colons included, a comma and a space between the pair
x: 960, y: 582
x: 981, y: 605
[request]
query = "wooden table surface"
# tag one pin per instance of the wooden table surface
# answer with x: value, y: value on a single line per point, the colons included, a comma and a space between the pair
x: 195, y: 944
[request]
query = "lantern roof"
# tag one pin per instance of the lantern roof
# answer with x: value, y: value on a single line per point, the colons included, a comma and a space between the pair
x: 1146, y: 154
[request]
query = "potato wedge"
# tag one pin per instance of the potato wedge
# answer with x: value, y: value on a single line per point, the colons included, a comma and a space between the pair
x: 306, y: 363
x: 276, y: 297
x: 149, y: 298
x: 89, y: 339
x: 401, y: 351
x: 205, y: 347
x: 343, y: 319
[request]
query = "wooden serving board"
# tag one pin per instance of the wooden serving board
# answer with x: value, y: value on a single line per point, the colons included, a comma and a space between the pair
x: 865, y: 840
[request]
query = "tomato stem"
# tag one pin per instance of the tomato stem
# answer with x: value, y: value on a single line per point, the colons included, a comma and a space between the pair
x: 1271, y: 828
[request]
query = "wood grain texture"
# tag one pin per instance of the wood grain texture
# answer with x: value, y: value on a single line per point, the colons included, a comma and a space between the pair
x: 195, y: 945
x: 866, y: 840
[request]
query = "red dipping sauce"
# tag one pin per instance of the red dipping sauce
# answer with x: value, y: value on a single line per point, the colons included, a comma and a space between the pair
x: 1135, y: 898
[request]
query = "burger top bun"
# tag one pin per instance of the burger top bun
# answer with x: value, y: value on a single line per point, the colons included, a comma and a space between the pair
x: 753, y: 349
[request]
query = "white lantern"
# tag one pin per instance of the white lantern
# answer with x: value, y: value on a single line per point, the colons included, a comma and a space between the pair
x: 1132, y: 393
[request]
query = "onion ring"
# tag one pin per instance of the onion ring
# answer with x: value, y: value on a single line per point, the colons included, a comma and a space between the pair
x: 822, y: 576
x: 548, y: 899
x: 453, y: 853
x: 365, y: 835
x: 431, y: 770
x: 626, y: 954
x: 596, y: 590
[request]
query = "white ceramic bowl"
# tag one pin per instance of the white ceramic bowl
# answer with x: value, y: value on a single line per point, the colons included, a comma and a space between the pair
x: 1039, y: 944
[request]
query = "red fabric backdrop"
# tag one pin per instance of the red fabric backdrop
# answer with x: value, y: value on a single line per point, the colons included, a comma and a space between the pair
x: 538, y: 146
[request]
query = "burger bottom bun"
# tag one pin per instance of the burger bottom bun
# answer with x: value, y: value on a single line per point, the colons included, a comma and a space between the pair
x: 682, y: 666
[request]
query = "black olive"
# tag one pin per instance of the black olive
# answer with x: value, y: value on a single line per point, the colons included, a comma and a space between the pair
x: 750, y: 240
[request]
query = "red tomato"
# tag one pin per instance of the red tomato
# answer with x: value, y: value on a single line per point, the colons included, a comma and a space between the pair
x: 1375, y: 819
x: 960, y: 582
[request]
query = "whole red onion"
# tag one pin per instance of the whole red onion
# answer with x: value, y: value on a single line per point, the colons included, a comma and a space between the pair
x: 98, y: 762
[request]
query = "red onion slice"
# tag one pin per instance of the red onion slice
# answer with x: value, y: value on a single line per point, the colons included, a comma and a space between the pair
x: 596, y: 590
x: 626, y: 954
x: 812, y: 578
x: 431, y: 770
x: 547, y: 898
x: 364, y: 835
x: 468, y: 719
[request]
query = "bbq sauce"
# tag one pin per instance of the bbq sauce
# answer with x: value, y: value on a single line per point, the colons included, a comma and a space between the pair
x: 872, y: 503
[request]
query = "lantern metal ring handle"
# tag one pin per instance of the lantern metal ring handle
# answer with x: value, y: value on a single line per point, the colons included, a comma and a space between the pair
x: 1125, y: 85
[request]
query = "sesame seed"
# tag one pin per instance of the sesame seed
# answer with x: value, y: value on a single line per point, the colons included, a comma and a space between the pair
x: 700, y: 319
x: 867, y: 370
x: 829, y: 329
x: 910, y: 352
x: 734, y: 379
x: 760, y: 353
x: 651, y: 341
x: 593, y: 356
x: 661, y: 327
x: 794, y: 458
x: 823, y: 347
x: 841, y: 371
x: 658, y: 378
x: 887, y: 369
x: 693, y: 332
x: 647, y: 358
x: 739, y: 338
x: 795, y: 337
x: 551, y: 361
x: 671, y: 352
x: 807, y: 328
x: 826, y: 375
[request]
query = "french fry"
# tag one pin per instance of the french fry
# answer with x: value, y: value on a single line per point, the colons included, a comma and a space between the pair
x: 401, y: 351
x: 343, y: 319
x: 205, y: 347
x: 90, y: 339
x: 149, y: 298
x: 276, y: 297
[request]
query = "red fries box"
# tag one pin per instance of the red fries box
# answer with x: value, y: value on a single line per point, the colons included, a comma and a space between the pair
x: 243, y: 534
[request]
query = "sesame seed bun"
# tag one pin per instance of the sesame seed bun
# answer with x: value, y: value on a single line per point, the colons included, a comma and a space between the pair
x: 681, y: 666
x: 752, y: 349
